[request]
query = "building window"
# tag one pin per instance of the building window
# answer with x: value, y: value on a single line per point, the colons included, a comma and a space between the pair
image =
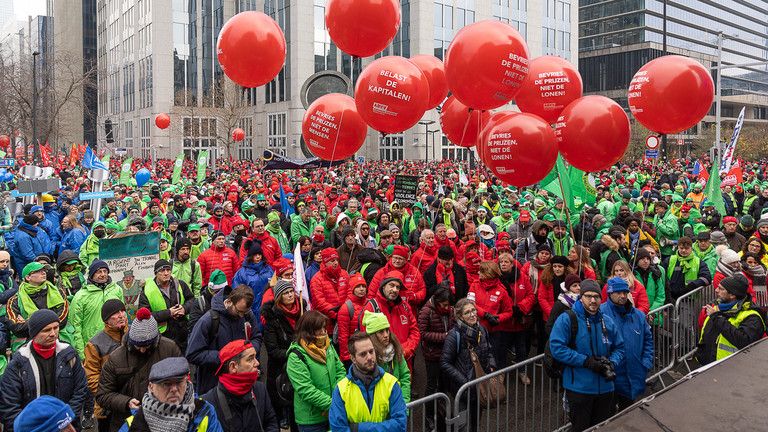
x: 145, y: 138
x: 129, y: 134
x: 199, y: 134
x: 245, y: 147
x: 454, y: 152
x: 325, y: 49
x: 392, y: 148
x: 449, y: 20
x: 184, y: 53
x: 212, y: 14
x: 277, y: 139
x: 279, y: 89
x: 129, y: 88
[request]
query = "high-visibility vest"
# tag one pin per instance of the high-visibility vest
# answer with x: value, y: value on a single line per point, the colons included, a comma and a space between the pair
x: 724, y: 346
x: 202, y: 427
x: 157, y: 301
x: 357, y: 408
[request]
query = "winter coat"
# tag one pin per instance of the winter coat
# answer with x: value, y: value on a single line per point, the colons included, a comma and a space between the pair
x: 557, y: 309
x: 639, y: 296
x: 29, y: 242
x: 269, y: 246
x: 348, y: 257
x: 223, y: 259
x: 312, y: 269
x: 21, y: 382
x: 251, y: 412
x: 85, y: 312
x: 433, y: 328
x: 526, y: 248
x: 371, y: 261
x: 189, y: 271
x: 278, y: 335
x: 300, y: 228
x: 396, y: 420
x: 89, y: 251
x: 589, y: 342
x: 223, y: 224
x: 97, y: 353
x: 176, y: 329
x: 424, y: 257
x: 521, y: 294
x: 203, y: 347
x: 491, y: 297
x: 653, y: 280
x: 455, y: 361
x: 203, y: 413
x: 313, y: 383
x: 125, y: 376
x: 256, y: 277
x: 402, y: 322
x: 73, y: 239
x: 328, y: 293
x: 347, y: 324
x: 415, y: 291
x: 676, y: 283
x: 638, y: 348
x: 459, y: 280
x: 751, y: 329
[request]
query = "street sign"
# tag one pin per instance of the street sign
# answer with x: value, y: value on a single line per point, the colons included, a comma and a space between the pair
x: 651, y: 154
x: 97, y: 195
x: 15, y: 194
x: 680, y: 141
x: 652, y: 142
x: 7, y: 162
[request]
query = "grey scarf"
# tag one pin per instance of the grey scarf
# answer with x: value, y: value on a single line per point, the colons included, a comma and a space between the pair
x: 366, y: 378
x: 388, y: 354
x: 164, y: 417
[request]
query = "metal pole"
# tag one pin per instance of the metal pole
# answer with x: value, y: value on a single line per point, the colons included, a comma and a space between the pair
x: 426, y: 142
x: 664, y: 49
x: 718, y: 94
x: 36, y: 148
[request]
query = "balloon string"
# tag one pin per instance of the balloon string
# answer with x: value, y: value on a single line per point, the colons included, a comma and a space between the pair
x: 466, y: 123
x: 335, y: 141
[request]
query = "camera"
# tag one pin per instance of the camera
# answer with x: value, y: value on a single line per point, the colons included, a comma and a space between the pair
x: 607, y: 371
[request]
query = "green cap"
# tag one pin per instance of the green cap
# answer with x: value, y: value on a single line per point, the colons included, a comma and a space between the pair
x: 375, y: 322
x: 31, y: 268
x: 261, y: 197
x: 193, y: 227
x: 677, y: 198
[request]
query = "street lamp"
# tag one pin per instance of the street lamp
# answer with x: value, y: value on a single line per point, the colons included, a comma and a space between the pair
x: 36, y: 148
x: 426, y: 124
x: 432, y: 133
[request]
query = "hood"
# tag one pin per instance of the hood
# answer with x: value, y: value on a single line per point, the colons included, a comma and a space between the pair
x: 67, y: 255
x: 369, y: 255
x: 98, y: 224
x: 609, y: 242
x: 217, y: 302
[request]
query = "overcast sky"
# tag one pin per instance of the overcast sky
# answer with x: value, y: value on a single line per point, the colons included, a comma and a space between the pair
x: 24, y: 8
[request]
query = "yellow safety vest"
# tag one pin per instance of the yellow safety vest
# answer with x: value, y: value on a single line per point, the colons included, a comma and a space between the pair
x: 157, y: 300
x: 724, y: 346
x: 357, y: 408
x: 202, y: 427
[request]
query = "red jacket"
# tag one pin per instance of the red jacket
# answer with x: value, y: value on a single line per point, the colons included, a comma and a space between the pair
x: 224, y: 259
x: 269, y: 247
x: 415, y: 289
x: 348, y: 325
x: 523, y: 297
x: 639, y: 296
x: 224, y: 224
x: 402, y: 322
x: 491, y: 297
x: 329, y: 292
x: 545, y: 296
x: 424, y: 257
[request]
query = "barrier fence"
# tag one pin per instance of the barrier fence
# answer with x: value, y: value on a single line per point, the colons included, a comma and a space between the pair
x: 539, y: 406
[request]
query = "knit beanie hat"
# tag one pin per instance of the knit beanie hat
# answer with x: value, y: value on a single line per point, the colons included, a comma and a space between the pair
x: 111, y: 307
x: 401, y: 251
x: 355, y: 280
x: 445, y: 253
x: 31, y: 268
x: 255, y: 249
x: 273, y: 216
x: 570, y: 280
x: 329, y: 254
x: 282, y: 287
x: 143, y: 331
x: 96, y: 266
x: 44, y: 414
x: 718, y: 238
x: 727, y: 255
x: 589, y: 285
x: 161, y: 264
x: 31, y: 219
x: 39, y: 320
x: 185, y: 242
x: 375, y: 322
x: 736, y: 285
x: 217, y: 281
x: 393, y: 275
x: 617, y: 284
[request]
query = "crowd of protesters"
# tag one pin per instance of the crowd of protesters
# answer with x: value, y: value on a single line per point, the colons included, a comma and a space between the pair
x: 468, y: 273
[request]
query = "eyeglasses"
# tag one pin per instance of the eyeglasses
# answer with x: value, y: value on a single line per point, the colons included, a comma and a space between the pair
x: 591, y: 297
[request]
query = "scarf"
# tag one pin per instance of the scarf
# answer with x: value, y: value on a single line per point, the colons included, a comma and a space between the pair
x: 317, y: 352
x: 725, y: 269
x: 444, y: 273
x: 27, y: 290
x: 365, y: 378
x: 688, y: 265
x: 239, y: 384
x: 164, y: 417
x: 758, y: 275
x: 534, y: 271
x: 388, y: 355
x: 469, y: 333
x: 291, y: 313
x: 568, y: 298
x: 72, y: 281
x: 725, y: 307
x: 44, y: 352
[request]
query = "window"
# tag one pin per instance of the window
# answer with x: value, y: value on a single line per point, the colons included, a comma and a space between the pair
x: 325, y: 49
x: 391, y: 147
x: 199, y: 134
x: 129, y: 134
x: 129, y: 88
x: 277, y: 139
x: 454, y: 152
x: 145, y: 138
x: 184, y: 53
x: 245, y: 147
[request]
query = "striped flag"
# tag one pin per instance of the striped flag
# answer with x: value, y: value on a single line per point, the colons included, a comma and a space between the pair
x: 299, y: 279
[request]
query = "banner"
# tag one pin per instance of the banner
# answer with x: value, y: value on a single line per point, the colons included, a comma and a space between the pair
x: 176, y: 177
x: 299, y: 279
x: 202, y: 164
x: 712, y: 191
x: 125, y: 172
x: 735, y: 176
x: 274, y: 161
x: 406, y: 188
x: 727, y: 161
x: 131, y: 251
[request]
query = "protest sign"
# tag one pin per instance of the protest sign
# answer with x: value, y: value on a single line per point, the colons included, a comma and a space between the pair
x: 131, y: 251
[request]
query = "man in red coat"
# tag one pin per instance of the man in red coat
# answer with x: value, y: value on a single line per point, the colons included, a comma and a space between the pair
x: 401, y: 319
x: 329, y: 287
x: 220, y: 257
x: 269, y: 245
x: 414, y: 289
x: 426, y: 254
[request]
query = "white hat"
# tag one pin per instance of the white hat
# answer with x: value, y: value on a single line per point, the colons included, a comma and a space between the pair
x: 489, y: 235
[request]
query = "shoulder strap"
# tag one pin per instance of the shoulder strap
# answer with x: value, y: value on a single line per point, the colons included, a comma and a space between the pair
x: 224, y: 407
x: 458, y: 342
x: 574, y: 327
x: 362, y: 312
x: 298, y: 354
x: 350, y: 308
x: 215, y: 321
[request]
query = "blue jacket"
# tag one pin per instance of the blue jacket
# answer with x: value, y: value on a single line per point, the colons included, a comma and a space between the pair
x: 72, y: 240
x: 590, y: 342
x: 53, y: 231
x: 29, y: 242
x: 203, y: 347
x: 8, y: 286
x: 310, y: 272
x: 337, y: 414
x: 20, y: 382
x: 257, y: 277
x: 638, y: 348
x: 53, y: 214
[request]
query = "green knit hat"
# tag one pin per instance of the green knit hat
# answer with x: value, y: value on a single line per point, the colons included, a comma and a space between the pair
x: 31, y: 268
x: 273, y: 216
x: 374, y: 322
x: 389, y: 250
x: 217, y: 281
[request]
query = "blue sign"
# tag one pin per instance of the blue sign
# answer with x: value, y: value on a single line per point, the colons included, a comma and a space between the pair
x: 651, y: 154
x: 15, y: 193
x: 7, y: 162
x: 97, y: 195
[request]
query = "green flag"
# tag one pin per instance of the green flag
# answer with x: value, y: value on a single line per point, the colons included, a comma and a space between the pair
x: 582, y: 188
x: 553, y: 185
x: 125, y: 172
x: 202, y: 164
x: 177, y: 168
x: 578, y: 187
x: 105, y: 160
x: 712, y: 190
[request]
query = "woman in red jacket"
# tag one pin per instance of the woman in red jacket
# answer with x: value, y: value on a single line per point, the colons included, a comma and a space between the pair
x: 637, y: 294
x: 523, y: 302
x: 472, y: 266
x: 347, y: 315
x: 549, y: 284
x: 581, y: 263
x: 494, y: 308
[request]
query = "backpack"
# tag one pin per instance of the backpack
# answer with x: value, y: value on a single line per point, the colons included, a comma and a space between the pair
x: 283, y: 383
x: 552, y: 367
x: 351, y: 311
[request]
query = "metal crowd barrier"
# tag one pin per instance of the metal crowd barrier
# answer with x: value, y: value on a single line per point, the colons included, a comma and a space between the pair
x: 428, y: 414
x: 686, y: 318
x: 662, y: 329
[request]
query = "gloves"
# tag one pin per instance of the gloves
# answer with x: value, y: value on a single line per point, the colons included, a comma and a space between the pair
x: 517, y: 313
x: 492, y: 319
x: 487, y: 316
x: 593, y: 364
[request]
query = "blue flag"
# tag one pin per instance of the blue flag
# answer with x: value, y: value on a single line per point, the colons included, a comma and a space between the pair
x: 284, y: 206
x: 90, y: 161
x: 696, y: 168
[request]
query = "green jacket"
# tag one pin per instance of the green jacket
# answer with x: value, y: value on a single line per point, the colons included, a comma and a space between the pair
x: 199, y: 248
x: 282, y: 239
x: 85, y: 312
x: 399, y: 369
x: 708, y: 257
x: 607, y: 209
x: 190, y: 273
x: 654, y: 287
x: 313, y: 383
x: 667, y: 228
x: 89, y: 251
x: 299, y: 228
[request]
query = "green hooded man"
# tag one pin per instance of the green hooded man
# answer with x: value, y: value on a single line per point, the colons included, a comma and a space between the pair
x: 89, y: 251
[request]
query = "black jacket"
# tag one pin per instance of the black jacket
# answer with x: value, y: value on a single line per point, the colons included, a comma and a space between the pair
x: 750, y: 330
x: 375, y: 260
x: 177, y: 328
x: 455, y: 361
x: 459, y: 279
x: 252, y: 412
x: 277, y: 337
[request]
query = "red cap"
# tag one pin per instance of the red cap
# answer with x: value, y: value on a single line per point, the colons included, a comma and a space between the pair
x: 729, y: 219
x: 329, y: 254
x: 525, y: 216
x: 355, y: 280
x: 503, y: 236
x: 401, y: 251
x: 230, y: 350
x: 282, y: 265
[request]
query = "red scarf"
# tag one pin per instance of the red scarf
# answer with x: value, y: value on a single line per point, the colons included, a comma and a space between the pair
x: 44, y: 352
x: 292, y: 313
x: 239, y: 383
x: 331, y: 273
x: 444, y: 273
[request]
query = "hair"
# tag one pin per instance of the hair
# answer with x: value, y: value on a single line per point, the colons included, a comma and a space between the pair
x: 330, y: 220
x: 684, y: 242
x: 489, y: 270
x: 380, y: 348
x: 584, y: 261
x: 745, y: 249
x: 459, y: 308
x: 73, y: 222
x: 310, y: 322
x: 304, y: 240
x: 548, y: 274
x: 441, y: 295
x: 506, y: 255
x: 88, y: 213
x: 627, y: 269
x: 424, y: 233
x: 753, y: 255
x: 242, y: 292
x: 358, y: 336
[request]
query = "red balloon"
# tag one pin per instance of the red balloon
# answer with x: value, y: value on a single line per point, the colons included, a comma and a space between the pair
x: 251, y: 49
x: 593, y: 133
x: 162, y: 121
x: 5, y: 141
x: 391, y: 94
x: 486, y: 64
x: 521, y: 150
x: 362, y: 28
x: 238, y: 135
x: 434, y: 70
x: 552, y: 84
x: 332, y: 127
x: 460, y: 124
x: 671, y: 94
x: 487, y: 127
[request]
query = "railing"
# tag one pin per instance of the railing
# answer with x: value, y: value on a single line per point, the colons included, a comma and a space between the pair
x: 686, y: 317
x: 428, y: 414
x: 662, y: 328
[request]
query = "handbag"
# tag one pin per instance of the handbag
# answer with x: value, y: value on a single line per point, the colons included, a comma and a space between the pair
x: 491, y: 391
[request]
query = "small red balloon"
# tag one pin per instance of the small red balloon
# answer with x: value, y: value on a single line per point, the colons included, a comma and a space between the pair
x: 434, y: 71
x: 162, y: 121
x: 332, y: 128
x: 460, y: 124
x: 593, y: 133
x: 671, y: 94
x: 391, y: 94
x: 251, y: 49
x: 362, y: 28
x: 486, y: 63
x: 5, y: 141
x: 552, y: 84
x: 521, y: 149
x: 238, y: 135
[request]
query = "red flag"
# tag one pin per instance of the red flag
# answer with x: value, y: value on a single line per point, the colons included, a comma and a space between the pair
x: 45, y: 154
x: 73, y: 156
x: 735, y: 176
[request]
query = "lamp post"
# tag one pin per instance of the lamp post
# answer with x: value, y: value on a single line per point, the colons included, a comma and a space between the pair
x: 664, y: 49
x: 36, y: 148
x: 426, y: 124
x: 432, y: 133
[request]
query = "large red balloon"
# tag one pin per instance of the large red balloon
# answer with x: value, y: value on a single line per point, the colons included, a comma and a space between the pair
x: 671, y: 94
x: 238, y: 135
x: 593, y: 133
x: 486, y: 64
x: 391, y: 94
x: 460, y: 124
x: 5, y: 141
x: 434, y: 70
x: 362, y: 28
x: 521, y: 149
x: 251, y: 49
x: 162, y: 121
x: 485, y: 132
x: 552, y: 84
x: 332, y: 127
